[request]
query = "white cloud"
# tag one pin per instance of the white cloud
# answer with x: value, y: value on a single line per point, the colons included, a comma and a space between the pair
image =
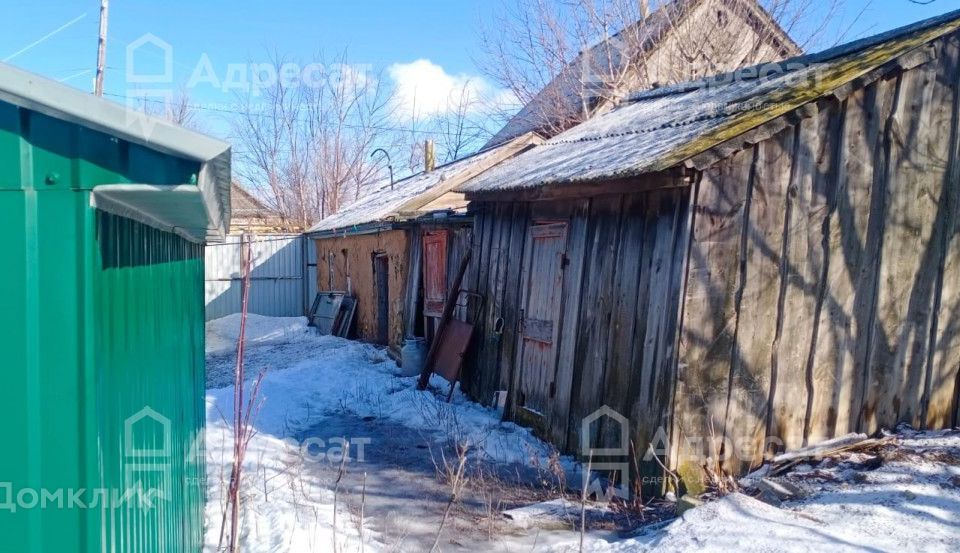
x: 425, y: 89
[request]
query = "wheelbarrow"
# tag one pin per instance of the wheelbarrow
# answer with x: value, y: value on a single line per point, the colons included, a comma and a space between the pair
x: 454, y: 340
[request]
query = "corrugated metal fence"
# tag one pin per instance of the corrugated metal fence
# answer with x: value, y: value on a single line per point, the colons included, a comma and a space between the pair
x: 282, y: 282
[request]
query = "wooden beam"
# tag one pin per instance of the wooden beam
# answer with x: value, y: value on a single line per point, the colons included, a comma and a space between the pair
x: 444, y: 320
x: 677, y: 178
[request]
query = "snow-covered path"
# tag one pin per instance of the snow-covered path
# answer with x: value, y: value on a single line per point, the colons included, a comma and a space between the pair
x: 320, y: 393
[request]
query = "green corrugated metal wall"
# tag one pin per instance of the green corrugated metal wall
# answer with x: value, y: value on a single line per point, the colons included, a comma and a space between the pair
x: 101, y: 322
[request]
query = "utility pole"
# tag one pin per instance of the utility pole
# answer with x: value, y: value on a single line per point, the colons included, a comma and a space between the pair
x: 102, y: 47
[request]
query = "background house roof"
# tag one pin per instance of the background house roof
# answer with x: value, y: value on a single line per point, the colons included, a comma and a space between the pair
x: 412, y: 196
x: 244, y: 205
x: 659, y: 129
x: 567, y: 89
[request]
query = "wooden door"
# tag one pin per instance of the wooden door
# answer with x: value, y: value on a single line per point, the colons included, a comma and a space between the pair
x: 382, y: 282
x: 434, y: 272
x: 540, y: 320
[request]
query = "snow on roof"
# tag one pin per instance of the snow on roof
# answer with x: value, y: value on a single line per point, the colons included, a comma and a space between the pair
x: 662, y: 128
x: 407, y: 196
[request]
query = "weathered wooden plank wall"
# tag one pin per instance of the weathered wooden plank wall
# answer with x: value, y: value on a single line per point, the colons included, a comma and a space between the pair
x: 822, y: 293
x: 618, y: 311
x: 494, y: 272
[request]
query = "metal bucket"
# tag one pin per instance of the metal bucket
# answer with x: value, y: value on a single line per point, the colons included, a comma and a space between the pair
x: 412, y: 356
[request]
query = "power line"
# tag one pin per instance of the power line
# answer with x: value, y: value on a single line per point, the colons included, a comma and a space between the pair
x: 249, y: 114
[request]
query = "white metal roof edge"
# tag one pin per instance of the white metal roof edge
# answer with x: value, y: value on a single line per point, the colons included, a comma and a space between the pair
x: 127, y: 200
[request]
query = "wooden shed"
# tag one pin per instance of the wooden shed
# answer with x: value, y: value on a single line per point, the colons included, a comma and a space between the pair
x: 393, y: 248
x: 737, y: 265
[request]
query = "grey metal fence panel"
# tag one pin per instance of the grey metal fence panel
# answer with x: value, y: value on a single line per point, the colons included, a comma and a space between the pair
x: 277, y: 280
x: 310, y: 286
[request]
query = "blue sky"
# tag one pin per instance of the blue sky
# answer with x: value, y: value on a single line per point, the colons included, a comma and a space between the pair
x: 57, y: 38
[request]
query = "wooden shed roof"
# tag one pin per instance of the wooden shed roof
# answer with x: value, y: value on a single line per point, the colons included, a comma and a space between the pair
x: 661, y: 129
x: 415, y: 195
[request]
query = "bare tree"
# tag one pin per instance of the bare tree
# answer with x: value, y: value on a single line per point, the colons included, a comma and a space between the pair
x: 456, y: 127
x: 565, y: 60
x: 304, y: 146
x: 176, y: 109
x: 459, y: 130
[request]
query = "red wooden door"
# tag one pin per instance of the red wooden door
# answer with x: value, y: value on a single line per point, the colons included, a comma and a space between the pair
x: 434, y: 272
x: 540, y: 322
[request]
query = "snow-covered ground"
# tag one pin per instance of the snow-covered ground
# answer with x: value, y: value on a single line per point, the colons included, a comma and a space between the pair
x: 318, y: 390
x: 905, y: 499
x: 312, y: 384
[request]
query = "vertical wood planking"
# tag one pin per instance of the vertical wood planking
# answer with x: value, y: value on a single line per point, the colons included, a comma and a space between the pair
x: 707, y: 328
x: 591, y: 356
x: 516, y: 376
x: 513, y: 252
x: 941, y: 389
x: 654, y: 356
x: 653, y: 314
x: 488, y: 342
x: 686, y: 199
x: 558, y: 415
x: 499, y: 265
x: 853, y: 237
x: 802, y: 267
x: 625, y: 333
x: 905, y: 289
x: 473, y: 362
x: 750, y: 379
x: 937, y: 153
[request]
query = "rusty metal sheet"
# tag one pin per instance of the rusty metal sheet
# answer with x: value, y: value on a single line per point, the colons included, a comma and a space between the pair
x: 453, y: 346
x: 434, y: 272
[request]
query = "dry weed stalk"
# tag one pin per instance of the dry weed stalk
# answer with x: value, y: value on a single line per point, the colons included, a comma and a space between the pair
x: 583, y: 498
x: 455, y: 475
x: 243, y: 414
x: 336, y: 489
x: 363, y: 502
x: 668, y: 472
x: 715, y: 478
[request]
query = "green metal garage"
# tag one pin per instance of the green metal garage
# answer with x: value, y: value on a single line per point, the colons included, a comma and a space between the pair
x: 104, y: 214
